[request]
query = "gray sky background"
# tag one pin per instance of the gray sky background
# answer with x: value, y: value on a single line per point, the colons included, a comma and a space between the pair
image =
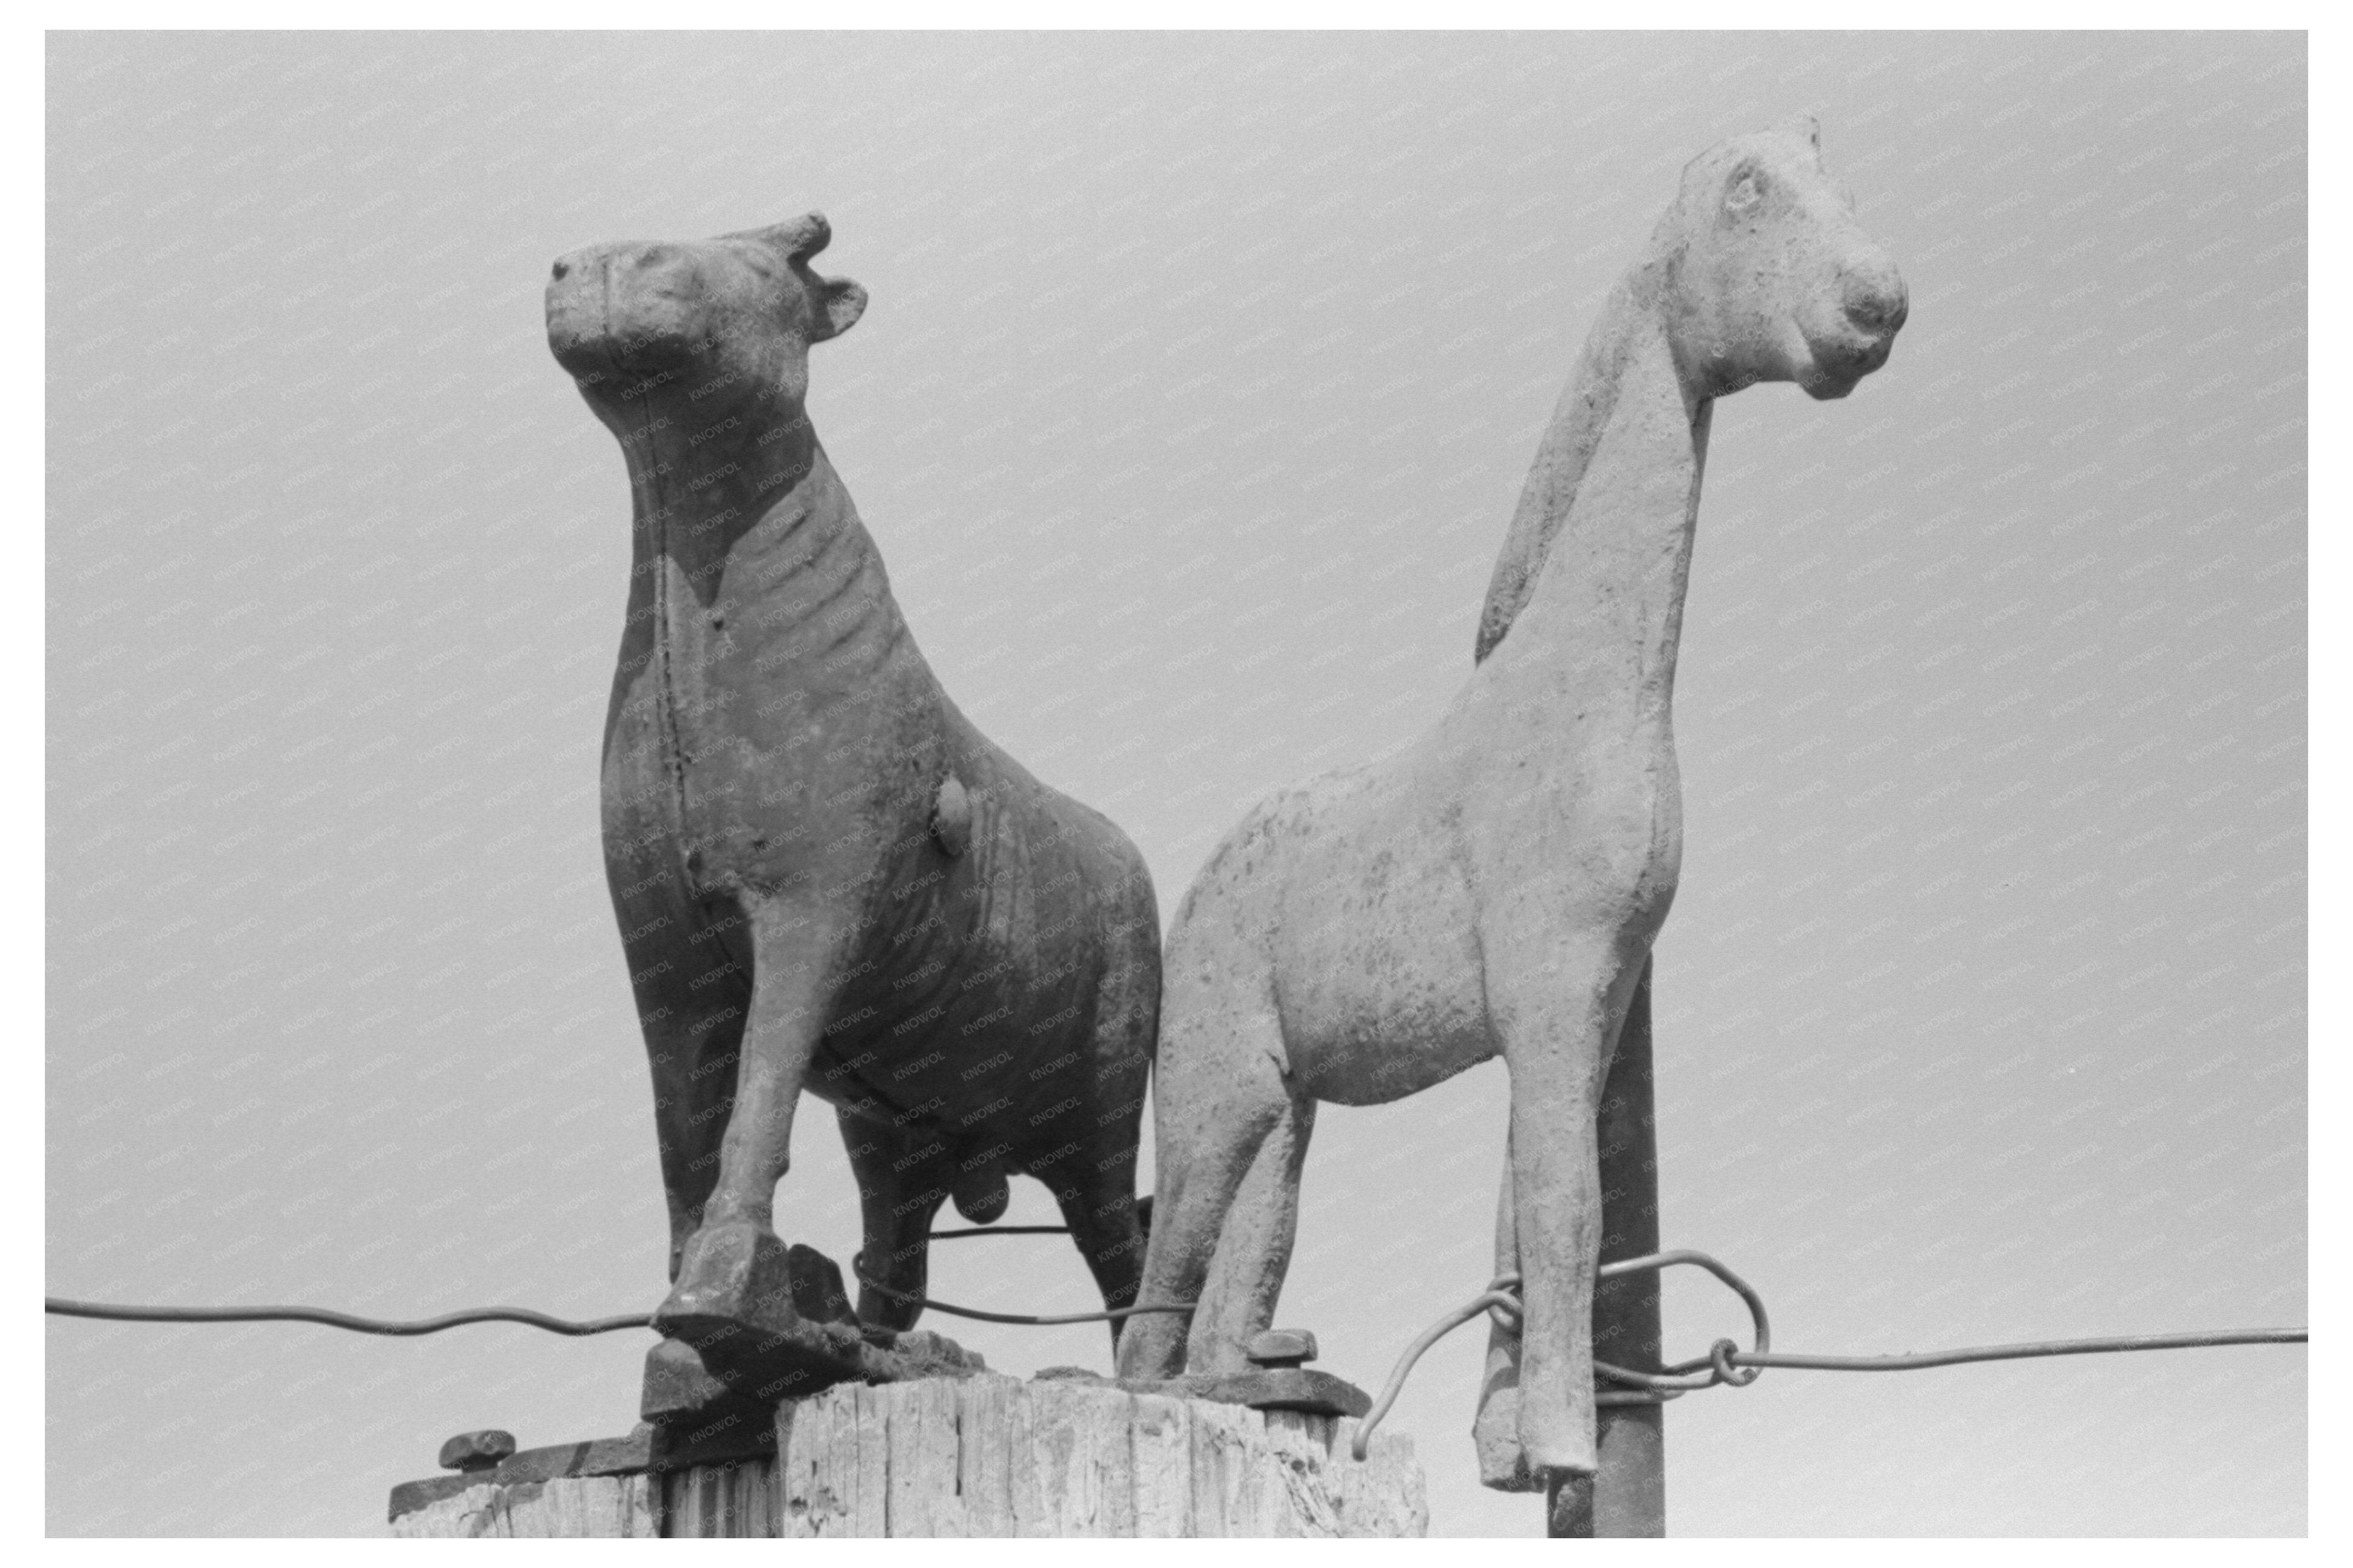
x: 1199, y: 384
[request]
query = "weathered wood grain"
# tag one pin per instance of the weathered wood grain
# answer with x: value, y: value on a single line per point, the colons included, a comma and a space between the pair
x: 1161, y: 1440
x: 720, y: 1502
x: 624, y: 1507
x: 987, y: 1456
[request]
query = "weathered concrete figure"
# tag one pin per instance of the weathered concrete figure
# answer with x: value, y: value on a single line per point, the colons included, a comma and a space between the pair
x: 826, y: 877
x: 1495, y: 889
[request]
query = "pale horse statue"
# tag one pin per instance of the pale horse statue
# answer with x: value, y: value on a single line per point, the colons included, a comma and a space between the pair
x: 1494, y: 888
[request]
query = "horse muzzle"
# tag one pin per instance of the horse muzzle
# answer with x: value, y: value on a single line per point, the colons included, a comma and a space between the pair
x: 630, y: 309
x: 1873, y: 305
x: 1874, y: 298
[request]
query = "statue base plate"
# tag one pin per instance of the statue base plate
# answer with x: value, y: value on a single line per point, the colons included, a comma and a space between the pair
x: 981, y: 1454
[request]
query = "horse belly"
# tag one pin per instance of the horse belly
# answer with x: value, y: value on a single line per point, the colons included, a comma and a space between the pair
x: 981, y: 1016
x: 979, y: 1037
x: 1378, y: 978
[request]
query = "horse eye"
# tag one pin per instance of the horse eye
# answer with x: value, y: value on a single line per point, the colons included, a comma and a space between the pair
x: 1745, y: 193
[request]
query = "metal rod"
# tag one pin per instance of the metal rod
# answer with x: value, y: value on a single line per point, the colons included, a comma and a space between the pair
x: 2030, y: 1351
x: 333, y: 1319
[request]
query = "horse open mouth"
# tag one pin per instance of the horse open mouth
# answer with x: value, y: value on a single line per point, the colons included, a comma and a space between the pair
x: 1841, y: 361
x: 652, y: 350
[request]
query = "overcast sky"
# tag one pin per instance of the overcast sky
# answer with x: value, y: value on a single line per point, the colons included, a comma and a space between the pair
x: 1199, y: 383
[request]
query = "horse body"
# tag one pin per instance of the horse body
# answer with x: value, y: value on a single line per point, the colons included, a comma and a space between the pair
x: 826, y: 877
x: 1494, y: 888
x: 1325, y: 953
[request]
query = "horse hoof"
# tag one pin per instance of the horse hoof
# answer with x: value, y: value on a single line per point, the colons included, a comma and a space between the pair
x: 734, y: 1289
x: 1567, y: 1456
x: 1496, y: 1433
x: 678, y: 1386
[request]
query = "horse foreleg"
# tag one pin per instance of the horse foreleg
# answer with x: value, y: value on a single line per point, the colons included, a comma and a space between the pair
x: 1496, y: 1430
x: 690, y: 997
x: 1558, y: 1020
x: 733, y: 1275
x: 1626, y: 1154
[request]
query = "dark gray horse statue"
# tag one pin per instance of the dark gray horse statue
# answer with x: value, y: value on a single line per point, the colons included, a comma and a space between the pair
x: 826, y: 879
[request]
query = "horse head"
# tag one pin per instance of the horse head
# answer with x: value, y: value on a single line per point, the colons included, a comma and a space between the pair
x: 1767, y: 275
x: 715, y: 326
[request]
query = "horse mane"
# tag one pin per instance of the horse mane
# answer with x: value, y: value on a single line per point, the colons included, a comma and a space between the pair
x: 1586, y: 406
x: 1569, y: 443
x: 1591, y: 397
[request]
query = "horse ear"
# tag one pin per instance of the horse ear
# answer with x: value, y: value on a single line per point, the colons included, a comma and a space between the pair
x: 839, y: 302
x: 801, y: 238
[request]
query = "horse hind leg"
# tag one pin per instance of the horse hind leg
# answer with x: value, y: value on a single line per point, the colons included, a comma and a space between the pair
x: 901, y: 1182
x: 1253, y: 1253
x: 1096, y: 1188
x: 1096, y: 1192
x: 1219, y: 1092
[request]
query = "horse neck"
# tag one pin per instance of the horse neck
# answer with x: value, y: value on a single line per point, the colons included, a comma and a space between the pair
x: 750, y: 514
x: 1592, y: 575
x: 748, y: 555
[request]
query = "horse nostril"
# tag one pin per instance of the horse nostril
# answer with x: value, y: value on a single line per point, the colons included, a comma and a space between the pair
x: 1876, y: 303
x: 562, y: 267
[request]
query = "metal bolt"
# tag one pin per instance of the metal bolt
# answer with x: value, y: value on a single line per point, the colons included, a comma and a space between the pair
x: 1281, y: 1347
x: 476, y: 1450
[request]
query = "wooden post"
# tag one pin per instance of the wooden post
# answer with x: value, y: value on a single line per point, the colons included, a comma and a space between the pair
x: 986, y: 1454
x: 1628, y: 1497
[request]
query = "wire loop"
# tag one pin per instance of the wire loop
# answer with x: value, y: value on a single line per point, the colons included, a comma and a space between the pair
x: 1727, y: 1364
